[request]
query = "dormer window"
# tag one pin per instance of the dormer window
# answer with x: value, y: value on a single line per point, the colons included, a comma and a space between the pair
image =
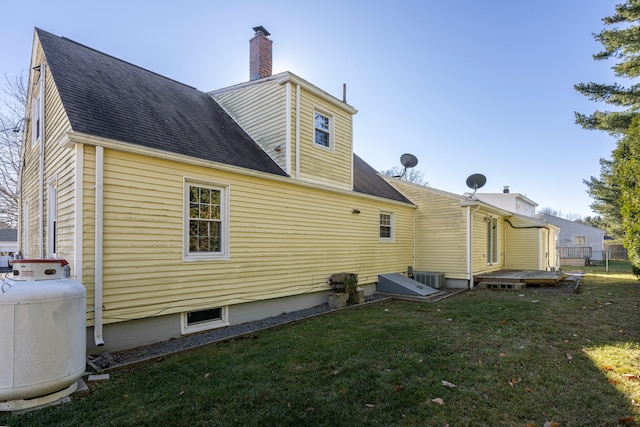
x: 323, y: 125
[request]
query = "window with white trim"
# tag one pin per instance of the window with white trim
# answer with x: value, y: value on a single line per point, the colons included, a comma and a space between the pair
x: 323, y: 124
x: 579, y: 240
x: 201, y: 320
x: 36, y: 119
x: 386, y: 226
x: 206, y: 221
x: 492, y: 240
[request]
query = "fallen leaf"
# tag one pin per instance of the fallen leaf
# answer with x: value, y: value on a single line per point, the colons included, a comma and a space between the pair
x: 502, y: 355
x: 626, y: 420
x: 370, y: 405
x: 569, y: 356
x: 438, y: 401
x: 398, y: 388
x: 614, y: 382
x: 503, y: 322
x: 207, y: 375
x: 513, y: 381
x: 607, y: 368
x: 181, y: 392
x: 631, y: 376
x: 552, y: 424
x: 530, y: 425
x: 528, y: 390
x: 448, y: 384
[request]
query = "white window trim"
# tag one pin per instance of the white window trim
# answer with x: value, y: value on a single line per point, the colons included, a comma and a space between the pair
x: 331, y: 118
x: 392, y: 225
x: 224, y: 212
x: 185, y: 328
x: 37, y: 112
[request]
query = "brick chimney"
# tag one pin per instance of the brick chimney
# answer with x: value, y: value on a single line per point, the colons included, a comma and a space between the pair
x: 260, y: 57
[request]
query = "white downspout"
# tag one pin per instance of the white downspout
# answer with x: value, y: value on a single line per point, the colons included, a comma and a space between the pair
x: 288, y: 130
x: 97, y: 290
x: 297, y: 131
x: 41, y: 166
x: 469, y: 252
x: 469, y: 244
x: 79, y: 219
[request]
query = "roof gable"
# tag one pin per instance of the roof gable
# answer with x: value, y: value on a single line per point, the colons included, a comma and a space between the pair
x: 110, y: 98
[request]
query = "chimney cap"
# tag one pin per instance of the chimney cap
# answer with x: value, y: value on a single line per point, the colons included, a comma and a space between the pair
x: 261, y: 29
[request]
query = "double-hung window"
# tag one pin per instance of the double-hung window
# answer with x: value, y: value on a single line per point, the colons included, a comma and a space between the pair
x: 386, y: 226
x: 579, y: 240
x: 323, y: 129
x: 206, y: 221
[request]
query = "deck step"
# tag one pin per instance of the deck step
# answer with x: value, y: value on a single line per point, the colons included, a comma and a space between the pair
x: 516, y: 286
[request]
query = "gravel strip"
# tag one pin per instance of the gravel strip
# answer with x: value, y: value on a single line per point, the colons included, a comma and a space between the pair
x: 108, y: 361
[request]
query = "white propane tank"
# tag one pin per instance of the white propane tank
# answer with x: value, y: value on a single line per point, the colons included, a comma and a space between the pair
x: 42, y: 330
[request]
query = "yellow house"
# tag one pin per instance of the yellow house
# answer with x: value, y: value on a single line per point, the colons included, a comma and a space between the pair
x: 176, y: 218
x: 181, y: 211
x: 462, y: 236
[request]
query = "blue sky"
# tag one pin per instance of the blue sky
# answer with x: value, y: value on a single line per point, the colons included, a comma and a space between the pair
x: 466, y: 86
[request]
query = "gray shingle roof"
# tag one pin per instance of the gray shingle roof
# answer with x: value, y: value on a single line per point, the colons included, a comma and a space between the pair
x: 366, y: 180
x: 107, y: 97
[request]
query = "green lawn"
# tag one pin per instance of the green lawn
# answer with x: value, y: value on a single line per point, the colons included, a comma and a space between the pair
x: 480, y: 358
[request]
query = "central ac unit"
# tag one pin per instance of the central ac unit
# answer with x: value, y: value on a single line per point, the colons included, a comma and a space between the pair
x: 429, y: 278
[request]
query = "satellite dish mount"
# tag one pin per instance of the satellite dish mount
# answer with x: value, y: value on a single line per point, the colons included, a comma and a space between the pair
x: 475, y: 181
x: 408, y: 161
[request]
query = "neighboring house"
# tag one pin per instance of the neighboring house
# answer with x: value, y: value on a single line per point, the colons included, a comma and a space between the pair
x: 512, y: 202
x: 464, y: 237
x: 577, y: 241
x: 182, y: 211
x: 8, y: 245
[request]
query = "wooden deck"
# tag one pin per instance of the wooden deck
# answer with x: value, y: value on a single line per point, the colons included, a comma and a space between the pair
x: 526, y: 277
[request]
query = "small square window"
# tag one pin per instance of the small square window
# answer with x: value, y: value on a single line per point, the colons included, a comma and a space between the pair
x: 579, y: 240
x: 322, y: 124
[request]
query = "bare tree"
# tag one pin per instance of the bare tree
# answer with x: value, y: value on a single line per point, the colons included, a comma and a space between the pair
x: 410, y: 175
x: 11, y: 128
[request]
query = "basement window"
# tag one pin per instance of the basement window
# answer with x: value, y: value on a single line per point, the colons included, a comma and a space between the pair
x: 202, y: 320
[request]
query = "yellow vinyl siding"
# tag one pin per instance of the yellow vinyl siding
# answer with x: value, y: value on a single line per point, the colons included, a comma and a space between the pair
x: 441, y: 238
x: 523, y: 248
x: 260, y: 111
x: 59, y: 171
x: 285, y: 239
x: 480, y: 238
x: 333, y: 165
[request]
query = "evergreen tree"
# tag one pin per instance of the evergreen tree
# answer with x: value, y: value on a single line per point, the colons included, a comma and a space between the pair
x: 616, y: 193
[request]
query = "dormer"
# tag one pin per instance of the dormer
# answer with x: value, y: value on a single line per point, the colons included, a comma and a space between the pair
x: 308, y: 132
